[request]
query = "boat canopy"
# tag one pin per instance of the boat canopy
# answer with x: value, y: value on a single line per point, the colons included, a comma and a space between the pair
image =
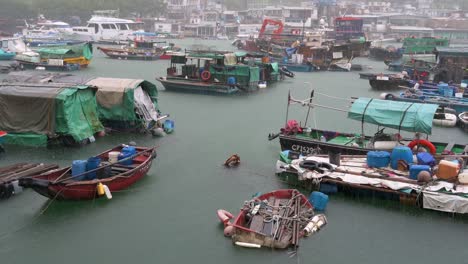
x: 412, y: 117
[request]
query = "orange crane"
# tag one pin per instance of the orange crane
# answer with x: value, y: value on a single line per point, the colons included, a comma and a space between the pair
x: 276, y: 33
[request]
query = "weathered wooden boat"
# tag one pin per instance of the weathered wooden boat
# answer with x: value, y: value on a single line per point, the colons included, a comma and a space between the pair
x: 410, y: 117
x: 389, y: 82
x: 352, y: 175
x: 10, y: 175
x: 130, y: 54
x: 114, y: 176
x: 277, y: 219
x: 459, y: 104
x: 430, y: 86
x: 463, y: 121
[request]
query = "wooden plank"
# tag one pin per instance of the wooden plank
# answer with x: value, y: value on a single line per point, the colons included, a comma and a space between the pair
x: 257, y: 223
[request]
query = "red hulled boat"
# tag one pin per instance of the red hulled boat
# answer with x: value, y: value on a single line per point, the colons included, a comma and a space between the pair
x: 111, y: 176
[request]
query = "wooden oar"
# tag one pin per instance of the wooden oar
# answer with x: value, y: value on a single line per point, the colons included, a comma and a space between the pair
x: 110, y: 164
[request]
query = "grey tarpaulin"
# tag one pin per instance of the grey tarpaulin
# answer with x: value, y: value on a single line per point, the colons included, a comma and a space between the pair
x: 445, y: 202
x: 28, y: 107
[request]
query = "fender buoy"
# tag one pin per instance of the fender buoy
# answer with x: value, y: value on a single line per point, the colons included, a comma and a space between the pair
x: 224, y: 216
x: 389, y: 96
x: 206, y: 75
x: 423, y: 142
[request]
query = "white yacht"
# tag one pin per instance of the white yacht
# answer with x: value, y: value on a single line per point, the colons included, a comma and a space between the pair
x: 47, y: 30
x: 106, y: 29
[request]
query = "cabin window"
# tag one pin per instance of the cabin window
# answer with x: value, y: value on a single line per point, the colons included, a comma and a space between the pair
x: 105, y: 26
x: 123, y: 26
x: 112, y: 26
x: 5, y: 44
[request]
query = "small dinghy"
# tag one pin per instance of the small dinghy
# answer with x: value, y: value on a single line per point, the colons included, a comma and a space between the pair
x: 464, y: 121
x: 445, y: 120
x: 276, y: 219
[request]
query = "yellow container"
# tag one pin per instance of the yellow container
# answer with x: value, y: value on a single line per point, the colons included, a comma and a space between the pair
x: 447, y: 170
x: 100, y: 189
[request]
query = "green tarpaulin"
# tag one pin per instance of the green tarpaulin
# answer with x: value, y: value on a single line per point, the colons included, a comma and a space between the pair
x: 115, y: 97
x: 413, y: 117
x: 26, y: 139
x: 77, y: 50
x: 49, y: 109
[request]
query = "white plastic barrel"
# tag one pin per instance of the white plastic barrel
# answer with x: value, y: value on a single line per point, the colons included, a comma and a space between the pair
x: 114, y: 156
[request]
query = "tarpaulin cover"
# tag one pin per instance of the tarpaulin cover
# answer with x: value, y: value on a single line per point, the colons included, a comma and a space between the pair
x: 405, y: 116
x: 26, y: 139
x: 115, y: 97
x: 68, y: 51
x: 48, y: 109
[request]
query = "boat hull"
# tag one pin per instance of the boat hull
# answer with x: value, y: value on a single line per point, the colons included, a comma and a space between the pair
x: 197, y: 87
x: 308, y: 145
x: 129, y: 55
x: 390, y: 84
x: 49, y: 186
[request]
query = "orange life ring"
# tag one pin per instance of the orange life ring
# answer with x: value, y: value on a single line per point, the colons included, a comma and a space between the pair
x: 206, y: 75
x: 423, y: 142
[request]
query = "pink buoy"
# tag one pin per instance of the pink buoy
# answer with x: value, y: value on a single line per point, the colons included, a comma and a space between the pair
x: 229, y: 230
x: 101, y: 133
x: 224, y: 216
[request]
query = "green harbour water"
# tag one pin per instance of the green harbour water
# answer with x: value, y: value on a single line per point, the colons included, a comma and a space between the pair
x: 170, y: 215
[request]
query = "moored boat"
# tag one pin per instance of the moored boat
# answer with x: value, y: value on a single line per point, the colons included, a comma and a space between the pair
x: 435, y: 184
x: 107, y: 177
x: 411, y: 117
x: 459, y: 104
x: 277, y: 219
x: 217, y: 72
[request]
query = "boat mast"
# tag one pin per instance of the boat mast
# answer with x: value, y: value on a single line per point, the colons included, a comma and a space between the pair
x: 310, y: 105
x: 287, y: 108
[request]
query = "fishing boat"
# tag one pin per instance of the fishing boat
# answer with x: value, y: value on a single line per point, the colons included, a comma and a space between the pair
x: 217, y: 72
x: 59, y: 58
x: 463, y: 117
x: 277, y: 219
x: 418, y: 185
x: 403, y: 116
x: 143, y: 46
x: 104, y: 178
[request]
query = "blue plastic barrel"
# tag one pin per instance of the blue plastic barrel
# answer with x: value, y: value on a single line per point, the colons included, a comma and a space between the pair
x: 378, y: 159
x: 168, y: 126
x: 318, y: 200
x: 448, y: 92
x: 129, y: 149
x: 124, y: 155
x: 401, y: 153
x: 416, y: 169
x: 79, y: 167
x: 231, y: 80
x: 441, y: 87
x: 93, y: 163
